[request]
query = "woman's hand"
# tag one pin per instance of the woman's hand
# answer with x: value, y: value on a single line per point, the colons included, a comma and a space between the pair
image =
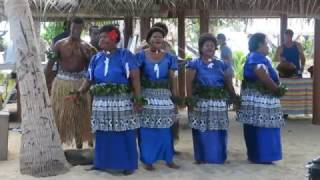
x: 137, y: 107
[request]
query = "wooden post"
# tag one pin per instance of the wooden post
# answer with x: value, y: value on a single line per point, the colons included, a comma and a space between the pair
x: 144, y: 27
x: 204, y: 21
x: 4, y: 126
x: 316, y: 76
x: 283, y: 26
x: 181, y: 52
x: 128, y: 30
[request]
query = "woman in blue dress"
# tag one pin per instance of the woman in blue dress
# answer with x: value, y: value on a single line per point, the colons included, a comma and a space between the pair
x: 260, y: 110
x: 209, y: 86
x: 111, y: 73
x: 159, y: 81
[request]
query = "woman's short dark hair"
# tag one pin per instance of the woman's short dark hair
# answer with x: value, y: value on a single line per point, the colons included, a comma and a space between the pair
x: 255, y: 40
x: 163, y: 26
x: 109, y: 28
x: 204, y: 38
x: 153, y: 30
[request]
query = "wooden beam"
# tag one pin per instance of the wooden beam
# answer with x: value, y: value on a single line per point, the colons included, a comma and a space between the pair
x: 316, y: 75
x: 283, y: 26
x: 128, y: 30
x: 181, y: 53
x: 204, y: 21
x: 144, y: 27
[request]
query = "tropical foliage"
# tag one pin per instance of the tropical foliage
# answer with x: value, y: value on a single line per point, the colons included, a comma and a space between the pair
x: 7, y: 86
x: 239, y: 59
x: 52, y: 29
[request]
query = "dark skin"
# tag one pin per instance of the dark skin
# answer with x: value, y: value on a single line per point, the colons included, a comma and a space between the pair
x: 155, y: 54
x: 208, y: 51
x: 74, y: 53
x: 108, y: 45
x: 94, y: 37
x: 262, y: 74
x: 288, y: 42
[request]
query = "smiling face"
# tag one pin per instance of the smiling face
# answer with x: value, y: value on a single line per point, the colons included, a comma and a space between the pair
x: 106, y: 43
x: 208, y: 49
x: 156, y: 40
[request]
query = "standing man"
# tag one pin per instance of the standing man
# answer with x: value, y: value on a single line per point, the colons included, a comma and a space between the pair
x: 291, y: 57
x: 225, y: 53
x: 72, y: 56
x: 94, y: 36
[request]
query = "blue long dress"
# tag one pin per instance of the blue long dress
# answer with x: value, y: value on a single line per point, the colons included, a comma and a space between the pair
x: 209, y: 118
x: 113, y: 120
x: 260, y: 114
x: 158, y: 115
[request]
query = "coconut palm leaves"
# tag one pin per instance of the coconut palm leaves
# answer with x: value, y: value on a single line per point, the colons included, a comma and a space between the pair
x: 239, y: 59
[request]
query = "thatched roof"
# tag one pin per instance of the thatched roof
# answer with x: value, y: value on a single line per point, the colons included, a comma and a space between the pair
x: 168, y: 8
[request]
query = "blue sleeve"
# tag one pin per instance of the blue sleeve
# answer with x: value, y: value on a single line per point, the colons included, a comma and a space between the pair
x: 92, y: 64
x: 139, y: 58
x: 173, y: 62
x: 131, y: 60
x: 256, y: 59
x: 193, y: 64
x: 226, y: 52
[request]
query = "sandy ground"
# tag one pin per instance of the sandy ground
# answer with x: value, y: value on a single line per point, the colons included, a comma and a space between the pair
x: 300, y: 144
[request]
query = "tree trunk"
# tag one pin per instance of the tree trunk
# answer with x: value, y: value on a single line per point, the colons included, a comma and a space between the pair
x: 41, y: 153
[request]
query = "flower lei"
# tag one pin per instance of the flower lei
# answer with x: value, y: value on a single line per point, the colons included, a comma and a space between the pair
x: 281, y: 90
x: 113, y: 35
x: 109, y: 89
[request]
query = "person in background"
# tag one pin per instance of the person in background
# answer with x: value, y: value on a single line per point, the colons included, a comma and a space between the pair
x: 225, y: 53
x: 94, y: 36
x: 72, y: 56
x: 291, y: 57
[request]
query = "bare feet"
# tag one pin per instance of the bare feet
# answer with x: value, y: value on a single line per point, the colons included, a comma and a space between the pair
x: 149, y: 167
x: 173, y: 166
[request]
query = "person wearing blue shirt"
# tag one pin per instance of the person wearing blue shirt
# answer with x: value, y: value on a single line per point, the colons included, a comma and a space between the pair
x: 111, y: 73
x: 225, y: 53
x: 159, y: 81
x: 260, y: 110
x: 208, y: 88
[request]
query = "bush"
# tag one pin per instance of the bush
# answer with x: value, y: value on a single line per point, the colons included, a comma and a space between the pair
x: 239, y: 59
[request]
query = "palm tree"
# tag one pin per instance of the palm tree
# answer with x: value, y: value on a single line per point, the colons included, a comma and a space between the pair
x: 41, y: 153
